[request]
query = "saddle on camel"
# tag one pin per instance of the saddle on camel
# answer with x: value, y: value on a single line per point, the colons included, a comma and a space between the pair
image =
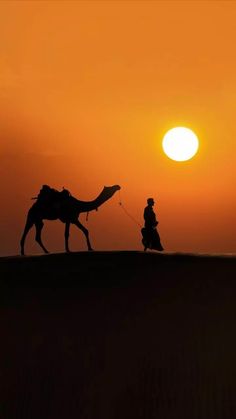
x: 50, y: 196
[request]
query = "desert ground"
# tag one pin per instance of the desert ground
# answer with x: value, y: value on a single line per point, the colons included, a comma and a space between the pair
x: 123, y: 334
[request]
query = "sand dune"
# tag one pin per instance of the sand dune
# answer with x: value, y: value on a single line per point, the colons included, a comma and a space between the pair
x: 118, y: 335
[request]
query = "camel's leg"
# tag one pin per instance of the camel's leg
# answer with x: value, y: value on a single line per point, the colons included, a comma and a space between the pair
x: 85, y: 231
x: 39, y: 226
x: 67, y: 233
x: 28, y: 226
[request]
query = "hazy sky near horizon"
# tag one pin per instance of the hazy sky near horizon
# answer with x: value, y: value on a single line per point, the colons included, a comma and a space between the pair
x: 87, y: 91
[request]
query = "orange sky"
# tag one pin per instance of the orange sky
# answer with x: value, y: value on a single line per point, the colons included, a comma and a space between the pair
x: 87, y: 91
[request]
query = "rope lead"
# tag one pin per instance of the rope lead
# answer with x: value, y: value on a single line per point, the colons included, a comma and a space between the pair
x: 128, y: 214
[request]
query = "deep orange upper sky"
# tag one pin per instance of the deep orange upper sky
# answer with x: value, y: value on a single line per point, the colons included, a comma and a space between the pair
x: 87, y: 91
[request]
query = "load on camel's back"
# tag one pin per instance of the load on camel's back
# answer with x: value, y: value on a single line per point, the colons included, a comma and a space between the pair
x: 49, y: 196
x: 51, y: 204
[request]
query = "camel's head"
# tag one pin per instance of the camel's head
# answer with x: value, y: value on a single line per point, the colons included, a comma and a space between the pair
x: 116, y: 187
x: 108, y: 191
x: 113, y: 188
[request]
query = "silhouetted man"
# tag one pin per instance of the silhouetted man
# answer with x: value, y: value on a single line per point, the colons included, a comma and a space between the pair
x: 151, y: 238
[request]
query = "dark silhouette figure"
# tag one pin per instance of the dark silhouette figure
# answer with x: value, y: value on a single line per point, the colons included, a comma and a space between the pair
x: 54, y: 205
x: 151, y: 238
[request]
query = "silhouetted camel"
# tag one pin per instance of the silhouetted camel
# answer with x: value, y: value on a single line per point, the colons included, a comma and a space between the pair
x: 66, y: 211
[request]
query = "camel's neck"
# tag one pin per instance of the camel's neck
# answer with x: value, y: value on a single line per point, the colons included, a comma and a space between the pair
x: 107, y: 192
x: 86, y: 206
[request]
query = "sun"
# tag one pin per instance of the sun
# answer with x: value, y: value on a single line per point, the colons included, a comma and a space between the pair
x: 180, y: 144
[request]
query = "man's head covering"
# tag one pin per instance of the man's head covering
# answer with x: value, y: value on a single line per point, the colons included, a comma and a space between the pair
x: 150, y: 201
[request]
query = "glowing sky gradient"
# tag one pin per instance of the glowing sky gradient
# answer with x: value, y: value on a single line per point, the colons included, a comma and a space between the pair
x: 87, y: 91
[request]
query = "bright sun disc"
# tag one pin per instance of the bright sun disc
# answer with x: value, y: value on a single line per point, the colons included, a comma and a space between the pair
x: 180, y: 144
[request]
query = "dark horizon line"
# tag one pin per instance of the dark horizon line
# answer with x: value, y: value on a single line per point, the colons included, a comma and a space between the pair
x: 121, y: 251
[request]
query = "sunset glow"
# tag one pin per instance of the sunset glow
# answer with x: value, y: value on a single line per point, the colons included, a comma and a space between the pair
x: 88, y: 90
